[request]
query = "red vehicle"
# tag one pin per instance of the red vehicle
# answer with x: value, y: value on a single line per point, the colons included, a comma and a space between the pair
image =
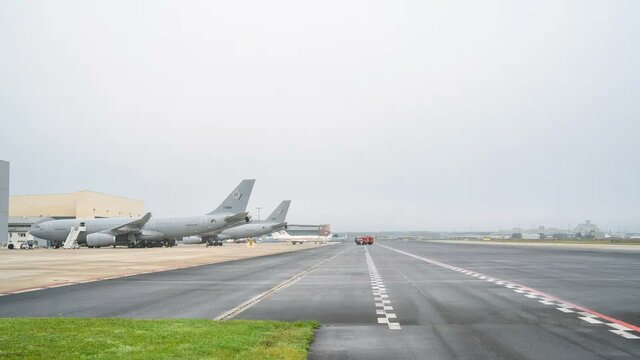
x: 364, y: 240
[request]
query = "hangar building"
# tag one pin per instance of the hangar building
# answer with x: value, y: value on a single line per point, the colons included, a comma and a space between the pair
x: 80, y: 204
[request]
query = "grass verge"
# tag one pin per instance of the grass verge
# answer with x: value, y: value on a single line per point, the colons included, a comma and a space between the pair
x: 64, y: 338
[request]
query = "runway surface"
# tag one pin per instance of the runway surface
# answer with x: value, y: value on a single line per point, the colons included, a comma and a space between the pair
x: 395, y: 299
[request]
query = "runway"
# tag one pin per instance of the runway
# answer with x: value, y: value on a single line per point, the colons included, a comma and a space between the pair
x: 395, y: 299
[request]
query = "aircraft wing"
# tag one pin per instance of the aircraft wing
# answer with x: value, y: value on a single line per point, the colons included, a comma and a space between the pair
x: 236, y: 218
x: 133, y: 226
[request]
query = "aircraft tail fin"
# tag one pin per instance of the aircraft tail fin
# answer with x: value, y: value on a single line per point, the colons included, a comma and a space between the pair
x: 237, y: 201
x: 280, y: 213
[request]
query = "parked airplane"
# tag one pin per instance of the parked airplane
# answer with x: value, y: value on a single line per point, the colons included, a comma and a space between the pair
x: 274, y: 222
x: 282, y: 235
x: 147, y: 231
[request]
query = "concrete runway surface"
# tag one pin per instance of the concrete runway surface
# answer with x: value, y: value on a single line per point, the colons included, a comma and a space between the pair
x: 395, y: 299
x: 21, y: 270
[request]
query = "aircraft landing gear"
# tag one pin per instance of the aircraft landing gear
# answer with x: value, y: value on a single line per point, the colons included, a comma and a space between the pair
x: 214, y: 243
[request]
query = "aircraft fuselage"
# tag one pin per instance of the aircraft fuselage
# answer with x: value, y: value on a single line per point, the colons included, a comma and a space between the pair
x: 158, y: 228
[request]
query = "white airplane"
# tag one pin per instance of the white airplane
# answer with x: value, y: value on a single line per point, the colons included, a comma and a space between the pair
x: 282, y: 235
x: 274, y: 222
x: 148, y: 231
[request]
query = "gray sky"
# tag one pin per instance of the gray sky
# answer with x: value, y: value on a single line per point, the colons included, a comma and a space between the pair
x: 369, y: 115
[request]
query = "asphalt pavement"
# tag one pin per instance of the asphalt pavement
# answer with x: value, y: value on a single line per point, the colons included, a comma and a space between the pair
x: 395, y: 299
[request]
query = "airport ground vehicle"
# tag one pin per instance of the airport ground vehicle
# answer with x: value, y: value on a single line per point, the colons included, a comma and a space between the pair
x: 364, y: 240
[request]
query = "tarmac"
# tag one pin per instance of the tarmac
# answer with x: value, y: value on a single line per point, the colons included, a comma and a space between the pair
x: 394, y: 299
x: 22, y: 270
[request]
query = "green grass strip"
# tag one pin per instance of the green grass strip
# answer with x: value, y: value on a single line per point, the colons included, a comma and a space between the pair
x: 64, y: 338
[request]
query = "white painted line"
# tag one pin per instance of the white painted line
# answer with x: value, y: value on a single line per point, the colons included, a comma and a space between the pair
x: 395, y: 326
x: 546, y: 302
x: 590, y: 319
x: 59, y: 285
x: 618, y: 327
x: 565, y: 310
x: 230, y: 314
x: 26, y: 290
x: 625, y: 334
x: 380, y: 295
x: 586, y: 314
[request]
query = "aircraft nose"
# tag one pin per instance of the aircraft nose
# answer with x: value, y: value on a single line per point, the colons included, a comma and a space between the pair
x: 35, y: 231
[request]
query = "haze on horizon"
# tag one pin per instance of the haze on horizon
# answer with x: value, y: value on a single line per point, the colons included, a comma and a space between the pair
x: 386, y: 115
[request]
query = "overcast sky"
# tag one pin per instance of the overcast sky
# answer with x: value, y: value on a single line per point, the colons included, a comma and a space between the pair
x: 369, y: 115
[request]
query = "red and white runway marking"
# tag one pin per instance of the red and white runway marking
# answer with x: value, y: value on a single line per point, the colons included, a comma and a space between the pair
x: 621, y: 328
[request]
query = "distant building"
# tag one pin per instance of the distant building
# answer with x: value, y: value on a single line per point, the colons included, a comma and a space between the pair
x: 298, y: 229
x: 4, y: 202
x: 588, y: 229
x: 540, y: 232
x: 531, y: 236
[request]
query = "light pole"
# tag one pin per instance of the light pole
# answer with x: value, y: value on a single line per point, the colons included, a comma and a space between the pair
x: 258, y: 208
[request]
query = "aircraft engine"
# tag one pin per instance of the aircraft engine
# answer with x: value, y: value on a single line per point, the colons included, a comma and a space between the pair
x: 100, y: 240
x: 192, y: 240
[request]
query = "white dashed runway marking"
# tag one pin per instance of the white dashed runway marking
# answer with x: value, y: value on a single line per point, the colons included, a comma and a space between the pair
x: 380, y: 296
x: 627, y: 331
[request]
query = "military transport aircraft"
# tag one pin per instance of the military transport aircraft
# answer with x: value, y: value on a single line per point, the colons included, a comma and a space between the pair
x: 147, y: 231
x: 274, y: 222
